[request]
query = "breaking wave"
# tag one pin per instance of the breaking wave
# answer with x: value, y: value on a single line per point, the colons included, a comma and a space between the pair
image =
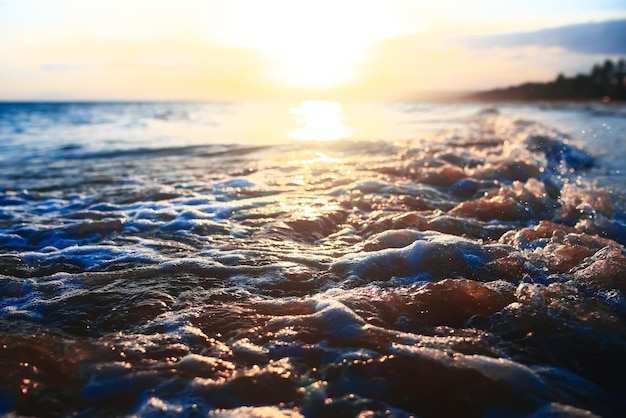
x: 479, y: 272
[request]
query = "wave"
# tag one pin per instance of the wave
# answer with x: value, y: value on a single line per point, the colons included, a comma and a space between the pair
x: 471, y: 273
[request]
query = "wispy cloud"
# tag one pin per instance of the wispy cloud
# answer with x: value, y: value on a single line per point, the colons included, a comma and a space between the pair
x: 64, y: 67
x: 587, y: 38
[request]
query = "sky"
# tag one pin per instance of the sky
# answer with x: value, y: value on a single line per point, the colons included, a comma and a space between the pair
x: 305, y: 49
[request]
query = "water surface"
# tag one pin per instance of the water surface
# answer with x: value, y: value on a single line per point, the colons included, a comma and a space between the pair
x: 162, y: 259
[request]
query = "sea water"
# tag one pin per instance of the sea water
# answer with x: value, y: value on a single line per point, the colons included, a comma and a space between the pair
x: 314, y: 259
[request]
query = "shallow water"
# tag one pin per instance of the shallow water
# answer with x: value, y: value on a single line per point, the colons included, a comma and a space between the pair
x: 191, y: 259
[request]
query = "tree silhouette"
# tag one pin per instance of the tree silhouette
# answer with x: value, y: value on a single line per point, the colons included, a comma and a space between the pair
x: 608, y: 74
x: 604, y: 82
x: 620, y: 74
x: 596, y: 73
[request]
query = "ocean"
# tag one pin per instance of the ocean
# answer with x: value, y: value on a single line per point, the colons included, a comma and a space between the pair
x: 312, y: 259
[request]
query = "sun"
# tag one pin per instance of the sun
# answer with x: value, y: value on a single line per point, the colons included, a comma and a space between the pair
x: 310, y: 44
x: 315, y: 60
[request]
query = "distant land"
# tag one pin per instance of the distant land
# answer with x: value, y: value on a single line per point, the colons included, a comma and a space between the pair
x: 605, y: 83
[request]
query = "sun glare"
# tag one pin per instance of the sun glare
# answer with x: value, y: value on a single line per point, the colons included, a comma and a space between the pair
x: 311, y: 44
x: 319, y: 120
x: 313, y: 63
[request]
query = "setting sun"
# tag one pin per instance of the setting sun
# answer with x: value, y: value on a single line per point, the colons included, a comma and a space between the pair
x: 311, y: 45
x: 311, y: 62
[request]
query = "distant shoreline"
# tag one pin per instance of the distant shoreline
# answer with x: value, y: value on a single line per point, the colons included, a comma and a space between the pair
x: 558, y: 102
x: 605, y: 83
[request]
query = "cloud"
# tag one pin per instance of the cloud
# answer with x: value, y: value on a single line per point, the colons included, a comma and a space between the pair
x: 607, y: 37
x: 63, y: 67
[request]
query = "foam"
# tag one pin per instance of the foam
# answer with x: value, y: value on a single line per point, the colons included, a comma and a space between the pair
x: 477, y: 272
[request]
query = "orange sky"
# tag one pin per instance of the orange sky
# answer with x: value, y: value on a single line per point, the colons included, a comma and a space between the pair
x: 208, y: 50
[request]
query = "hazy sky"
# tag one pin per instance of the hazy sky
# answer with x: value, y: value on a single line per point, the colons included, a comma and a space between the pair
x: 265, y: 49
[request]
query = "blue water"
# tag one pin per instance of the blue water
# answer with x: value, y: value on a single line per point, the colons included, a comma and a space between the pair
x: 434, y: 260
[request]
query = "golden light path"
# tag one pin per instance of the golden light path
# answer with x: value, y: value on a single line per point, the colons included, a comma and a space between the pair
x: 319, y: 120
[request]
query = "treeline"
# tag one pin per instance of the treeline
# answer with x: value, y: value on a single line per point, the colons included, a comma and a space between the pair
x: 605, y: 82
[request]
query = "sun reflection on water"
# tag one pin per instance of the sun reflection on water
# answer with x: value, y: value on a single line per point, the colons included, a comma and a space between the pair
x: 306, y: 208
x: 314, y: 158
x: 319, y: 120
